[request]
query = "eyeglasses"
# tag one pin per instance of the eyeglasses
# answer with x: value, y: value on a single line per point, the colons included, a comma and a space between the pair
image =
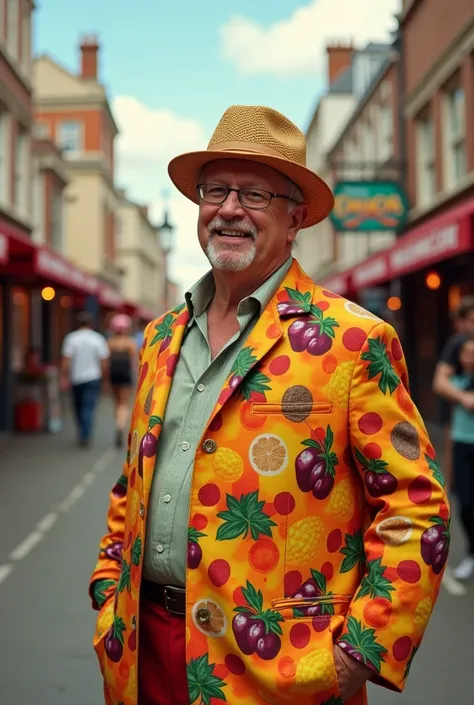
x: 255, y: 198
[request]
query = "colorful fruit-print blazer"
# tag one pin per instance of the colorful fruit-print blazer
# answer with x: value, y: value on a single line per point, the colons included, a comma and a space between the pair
x: 317, y: 504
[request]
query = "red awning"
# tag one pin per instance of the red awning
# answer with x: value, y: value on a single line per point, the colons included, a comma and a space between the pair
x: 51, y: 266
x: 438, y: 239
x: 146, y: 314
x: 110, y: 297
x: 3, y: 249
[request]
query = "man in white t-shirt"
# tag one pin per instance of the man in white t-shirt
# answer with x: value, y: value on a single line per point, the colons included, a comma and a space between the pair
x: 84, y: 364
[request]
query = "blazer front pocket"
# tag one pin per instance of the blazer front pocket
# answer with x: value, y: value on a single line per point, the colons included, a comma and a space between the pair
x: 292, y: 410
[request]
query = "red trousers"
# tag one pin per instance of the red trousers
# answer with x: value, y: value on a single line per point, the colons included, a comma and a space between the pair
x: 161, y: 657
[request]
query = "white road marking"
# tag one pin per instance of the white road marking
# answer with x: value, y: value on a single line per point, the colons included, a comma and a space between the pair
x: 5, y: 571
x: 88, y: 479
x: 451, y: 585
x: 43, y: 526
x: 47, y: 522
x: 26, y: 546
x: 72, y: 498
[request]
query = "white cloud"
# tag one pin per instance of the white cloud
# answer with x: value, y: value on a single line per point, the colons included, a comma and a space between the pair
x: 148, y: 140
x: 296, y: 46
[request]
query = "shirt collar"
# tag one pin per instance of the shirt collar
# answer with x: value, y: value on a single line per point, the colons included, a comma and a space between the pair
x: 200, y: 294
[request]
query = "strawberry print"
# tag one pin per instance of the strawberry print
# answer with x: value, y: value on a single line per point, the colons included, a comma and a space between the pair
x: 318, y: 511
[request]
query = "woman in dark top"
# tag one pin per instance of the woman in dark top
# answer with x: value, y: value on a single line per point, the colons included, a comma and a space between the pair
x: 123, y: 354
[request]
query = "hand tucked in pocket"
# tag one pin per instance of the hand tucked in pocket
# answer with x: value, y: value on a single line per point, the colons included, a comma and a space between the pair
x: 351, y: 674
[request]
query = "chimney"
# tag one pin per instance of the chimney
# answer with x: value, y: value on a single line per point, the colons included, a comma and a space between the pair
x: 339, y: 59
x: 89, y: 57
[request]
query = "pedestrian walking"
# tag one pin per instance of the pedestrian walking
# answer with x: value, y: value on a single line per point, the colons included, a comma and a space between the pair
x: 84, y: 363
x: 462, y: 436
x: 448, y: 366
x: 271, y: 538
x: 123, y: 359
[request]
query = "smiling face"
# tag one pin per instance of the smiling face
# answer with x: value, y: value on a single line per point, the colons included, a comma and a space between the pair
x: 241, y: 239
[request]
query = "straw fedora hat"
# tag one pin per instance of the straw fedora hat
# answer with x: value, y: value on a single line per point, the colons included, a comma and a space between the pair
x: 262, y: 135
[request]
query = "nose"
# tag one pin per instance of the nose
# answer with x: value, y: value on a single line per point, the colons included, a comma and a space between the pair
x: 231, y: 208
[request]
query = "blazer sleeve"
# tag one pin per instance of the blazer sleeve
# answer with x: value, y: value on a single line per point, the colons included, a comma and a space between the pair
x: 406, y: 538
x: 104, y: 579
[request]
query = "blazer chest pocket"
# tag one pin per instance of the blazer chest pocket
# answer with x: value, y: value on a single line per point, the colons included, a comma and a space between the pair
x: 292, y: 410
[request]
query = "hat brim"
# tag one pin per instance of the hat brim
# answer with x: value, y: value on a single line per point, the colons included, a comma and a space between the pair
x: 184, y: 173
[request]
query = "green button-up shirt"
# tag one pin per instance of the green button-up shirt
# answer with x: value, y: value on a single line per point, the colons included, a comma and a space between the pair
x: 195, y: 388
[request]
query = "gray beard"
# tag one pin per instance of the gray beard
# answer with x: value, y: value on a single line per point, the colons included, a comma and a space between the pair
x: 224, y: 257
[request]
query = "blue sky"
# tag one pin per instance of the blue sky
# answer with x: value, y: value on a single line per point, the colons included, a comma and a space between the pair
x: 172, y: 68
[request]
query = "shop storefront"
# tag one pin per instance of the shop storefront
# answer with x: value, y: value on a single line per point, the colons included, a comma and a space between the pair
x: 416, y: 284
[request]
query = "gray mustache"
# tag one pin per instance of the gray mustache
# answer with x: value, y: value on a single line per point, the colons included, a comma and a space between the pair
x: 221, y: 224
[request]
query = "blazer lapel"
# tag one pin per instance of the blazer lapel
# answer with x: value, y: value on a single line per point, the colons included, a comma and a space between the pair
x: 293, y: 298
x: 166, y: 340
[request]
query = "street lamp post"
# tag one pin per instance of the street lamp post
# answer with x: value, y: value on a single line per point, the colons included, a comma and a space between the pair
x: 166, y: 239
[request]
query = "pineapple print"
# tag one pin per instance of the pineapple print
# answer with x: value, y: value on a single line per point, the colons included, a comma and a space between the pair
x: 228, y: 465
x: 338, y: 387
x: 304, y: 540
x: 361, y: 644
x: 131, y: 689
x: 204, y: 687
x: 342, y: 504
x: 106, y: 617
x: 317, y: 667
x: 380, y: 366
x: 422, y: 614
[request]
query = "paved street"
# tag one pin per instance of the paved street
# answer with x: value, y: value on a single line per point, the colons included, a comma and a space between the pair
x: 53, y: 499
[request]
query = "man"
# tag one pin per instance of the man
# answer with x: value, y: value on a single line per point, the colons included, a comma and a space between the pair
x: 84, y: 363
x: 280, y: 529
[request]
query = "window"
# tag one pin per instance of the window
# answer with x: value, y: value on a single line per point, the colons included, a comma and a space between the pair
x: 13, y: 7
x: 455, y: 136
x: 4, y: 167
x: 426, y: 171
x: 70, y: 136
x: 41, y: 130
x: 21, y: 172
x: 26, y: 38
x: 56, y: 219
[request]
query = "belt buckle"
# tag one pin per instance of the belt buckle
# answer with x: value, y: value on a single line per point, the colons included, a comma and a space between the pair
x: 170, y: 598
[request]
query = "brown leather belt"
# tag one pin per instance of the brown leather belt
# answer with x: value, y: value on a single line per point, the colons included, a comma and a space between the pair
x: 171, y: 597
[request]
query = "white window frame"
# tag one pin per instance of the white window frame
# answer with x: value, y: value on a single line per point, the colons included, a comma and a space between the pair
x: 13, y: 28
x: 455, y: 135
x: 26, y: 36
x: 56, y: 219
x: 426, y: 160
x: 21, y: 171
x: 64, y: 126
x: 4, y: 161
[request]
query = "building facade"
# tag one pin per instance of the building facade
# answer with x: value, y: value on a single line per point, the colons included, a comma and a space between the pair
x: 141, y: 259
x: 73, y: 111
x: 15, y: 191
x: 314, y: 246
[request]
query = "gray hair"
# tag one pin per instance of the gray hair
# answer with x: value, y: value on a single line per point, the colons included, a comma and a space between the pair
x: 295, y: 193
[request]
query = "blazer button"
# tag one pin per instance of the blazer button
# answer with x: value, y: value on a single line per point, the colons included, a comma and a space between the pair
x: 203, y: 615
x: 142, y: 508
x: 209, y: 446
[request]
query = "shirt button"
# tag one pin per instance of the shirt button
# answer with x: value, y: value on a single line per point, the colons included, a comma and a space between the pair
x: 201, y: 387
x: 209, y: 446
x: 203, y: 615
x: 167, y: 498
x: 185, y: 445
x: 160, y: 548
x: 142, y: 508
